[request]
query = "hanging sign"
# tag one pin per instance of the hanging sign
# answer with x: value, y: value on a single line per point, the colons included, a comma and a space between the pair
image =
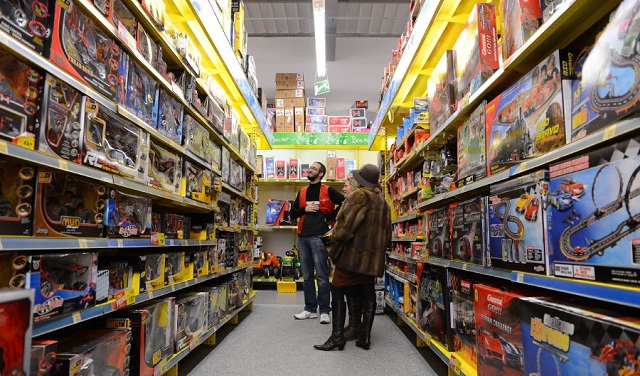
x: 321, y: 87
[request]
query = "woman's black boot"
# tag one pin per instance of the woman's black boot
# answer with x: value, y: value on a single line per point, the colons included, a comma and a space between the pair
x: 368, y: 314
x: 354, y: 307
x: 338, y: 312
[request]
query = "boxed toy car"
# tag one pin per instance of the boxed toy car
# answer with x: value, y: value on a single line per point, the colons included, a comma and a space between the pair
x: 237, y: 175
x: 177, y: 268
x: 561, y: 339
x: 170, y: 116
x: 17, y: 195
x: 68, y: 205
x: 43, y: 356
x: 191, y: 314
x: 216, y: 157
x: 476, y: 49
x: 520, y: 20
x: 527, y: 120
x: 463, y: 325
x: 63, y: 283
x: 225, y: 165
x: 114, y: 145
x: 196, y: 138
x: 198, y: 182
x: 439, y: 232
x: 28, y: 21
x: 142, y: 94
x: 15, y: 338
x: 95, y: 352
x: 152, y: 325
x: 442, y: 90
x: 498, y: 331
x: 467, y: 230
x: 79, y: 47
x: 472, y: 163
x: 516, y: 223
x: 433, y: 303
x: 165, y: 169
x: 127, y: 216
x: 22, y: 87
x: 593, y: 229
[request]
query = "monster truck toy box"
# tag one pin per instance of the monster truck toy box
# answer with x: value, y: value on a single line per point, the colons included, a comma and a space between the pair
x: 594, y: 216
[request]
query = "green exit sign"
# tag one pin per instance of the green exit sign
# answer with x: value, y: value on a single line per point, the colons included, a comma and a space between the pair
x: 321, y: 87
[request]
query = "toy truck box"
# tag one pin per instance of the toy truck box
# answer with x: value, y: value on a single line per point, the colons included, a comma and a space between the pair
x: 463, y: 325
x: 433, y: 304
x: 165, y: 169
x: 593, y: 230
x: 127, y: 216
x: 520, y: 20
x: 83, y: 50
x: 561, y: 339
x: 442, y: 90
x: 68, y: 205
x: 498, y: 331
x: 27, y: 21
x: 472, y: 163
x: 516, y: 220
x: 467, y: 230
x: 439, y: 232
x: 528, y: 119
x: 17, y: 197
x: 21, y: 98
x: 15, y: 338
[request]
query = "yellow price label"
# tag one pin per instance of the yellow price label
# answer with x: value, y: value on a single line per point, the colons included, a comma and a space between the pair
x: 523, y: 166
x: 520, y: 277
x: 26, y: 142
x: 120, y: 243
x: 0, y: 243
x: 609, y: 132
x: 150, y: 294
x: 131, y: 299
x: 464, y: 266
x: 82, y: 243
x: 173, y: 288
x: 62, y: 163
x: 4, y: 149
x: 157, y: 356
x: 76, y: 317
x: 161, y: 239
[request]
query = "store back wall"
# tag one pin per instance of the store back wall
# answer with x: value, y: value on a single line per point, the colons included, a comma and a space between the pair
x: 355, y: 74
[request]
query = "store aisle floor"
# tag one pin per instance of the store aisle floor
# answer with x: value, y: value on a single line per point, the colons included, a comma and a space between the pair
x: 269, y: 341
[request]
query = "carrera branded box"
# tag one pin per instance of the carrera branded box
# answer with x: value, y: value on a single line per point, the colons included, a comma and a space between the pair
x: 439, y: 232
x: 463, y: 325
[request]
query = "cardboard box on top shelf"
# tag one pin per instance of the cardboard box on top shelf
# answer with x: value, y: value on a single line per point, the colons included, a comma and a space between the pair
x: 279, y: 119
x: 290, y: 93
x: 441, y: 86
x: 289, y: 102
x: 316, y: 102
x: 288, y: 118
x: 331, y: 165
x: 359, y: 122
x: 289, y: 85
x: 316, y: 119
x: 358, y: 112
x: 520, y: 19
x: 318, y: 128
x: 360, y: 104
x: 289, y: 77
x: 299, y: 117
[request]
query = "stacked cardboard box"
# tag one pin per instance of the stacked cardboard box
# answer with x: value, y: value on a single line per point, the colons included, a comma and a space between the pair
x: 289, y: 101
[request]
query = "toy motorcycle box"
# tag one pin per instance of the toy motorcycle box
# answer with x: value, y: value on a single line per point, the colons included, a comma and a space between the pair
x: 165, y: 169
x: 21, y: 97
x: 191, y: 318
x: 463, y: 326
x: 521, y: 19
x: 467, y: 231
x: 528, y: 119
x: 114, y: 145
x: 142, y: 95
x: 68, y: 205
x: 95, y: 352
x: 516, y: 222
x: 472, y: 163
x: 27, y: 21
x: 15, y: 338
x: 593, y: 215
x: 196, y: 139
x: 79, y: 47
x: 63, y: 283
x: 433, y: 301
x: 127, y: 216
x: 439, y: 232
x: 62, y: 115
x: 198, y: 182
x: 17, y: 195
x: 170, y: 116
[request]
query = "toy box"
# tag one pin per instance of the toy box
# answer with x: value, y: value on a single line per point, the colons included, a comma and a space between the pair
x: 95, y: 351
x: 62, y: 114
x: 216, y: 303
x: 152, y: 325
x: 225, y: 164
x: 200, y: 263
x: 15, y: 337
x: 237, y: 176
x: 467, y: 230
x: 472, y: 164
x: 21, y: 98
x: 439, y: 232
x: 476, y: 49
x: 170, y: 116
x: 17, y: 194
x: 120, y: 277
x: 13, y: 269
x: 191, y: 314
x: 196, y: 139
x: 216, y: 157
x: 68, y: 205
x: 593, y: 228
x: 165, y: 169
x: 498, y: 331
x: 569, y: 340
x: 527, y: 120
x: 521, y: 19
x: 27, y: 21
x: 114, y: 145
x: 516, y: 224
x: 148, y: 270
x: 63, y: 283
x: 177, y: 268
x: 197, y: 182
x: 433, y: 303
x: 606, y: 85
x: 174, y: 226
x: 463, y: 325
x: 142, y: 95
x: 43, y: 356
x: 83, y: 50
x: 442, y: 90
x: 127, y: 216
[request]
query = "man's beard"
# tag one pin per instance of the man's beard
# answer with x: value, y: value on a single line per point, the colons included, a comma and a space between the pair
x: 311, y: 178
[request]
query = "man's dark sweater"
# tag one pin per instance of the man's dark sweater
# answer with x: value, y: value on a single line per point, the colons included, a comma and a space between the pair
x: 315, y: 223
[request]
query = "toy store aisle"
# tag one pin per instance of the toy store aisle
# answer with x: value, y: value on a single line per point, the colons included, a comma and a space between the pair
x: 269, y: 341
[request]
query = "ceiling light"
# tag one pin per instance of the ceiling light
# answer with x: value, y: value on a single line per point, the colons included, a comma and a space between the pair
x: 319, y: 31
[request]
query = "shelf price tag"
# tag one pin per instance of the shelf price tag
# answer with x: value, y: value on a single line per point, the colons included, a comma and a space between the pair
x: 609, y: 132
x: 82, y: 243
x: 454, y: 365
x: 520, y: 277
x: 120, y: 243
x: 76, y: 317
x: 131, y: 298
x: 150, y: 294
x: 173, y: 288
x: 4, y: 149
x: 62, y: 163
x: 25, y: 142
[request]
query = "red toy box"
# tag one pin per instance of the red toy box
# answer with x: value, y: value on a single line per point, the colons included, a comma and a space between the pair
x: 439, y: 232
x: 467, y: 230
x: 15, y: 337
x: 521, y: 18
x: 463, y: 325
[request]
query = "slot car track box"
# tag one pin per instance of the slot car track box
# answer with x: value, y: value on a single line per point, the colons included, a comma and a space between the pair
x: 472, y: 163
x: 152, y: 327
x: 438, y: 222
x: 96, y: 352
x: 594, y: 213
x: 15, y: 338
x: 463, y: 326
x: 468, y: 230
x: 17, y: 197
x: 516, y: 224
x: 148, y: 270
x: 433, y: 304
x: 191, y: 318
x: 561, y: 339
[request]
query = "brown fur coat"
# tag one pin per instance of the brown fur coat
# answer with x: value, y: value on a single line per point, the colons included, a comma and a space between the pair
x: 365, y: 221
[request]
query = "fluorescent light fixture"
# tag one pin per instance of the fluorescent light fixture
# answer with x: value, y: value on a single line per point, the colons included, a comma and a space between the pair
x: 319, y: 32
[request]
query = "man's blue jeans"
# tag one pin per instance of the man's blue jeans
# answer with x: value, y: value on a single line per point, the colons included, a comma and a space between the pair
x: 313, y: 254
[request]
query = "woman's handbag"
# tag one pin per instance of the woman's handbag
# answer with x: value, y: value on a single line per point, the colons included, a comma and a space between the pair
x: 338, y: 248
x: 327, y: 238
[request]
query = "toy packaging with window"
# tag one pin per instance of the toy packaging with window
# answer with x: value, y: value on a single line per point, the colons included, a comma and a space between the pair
x: 95, y: 351
x: 516, y: 224
x: 127, y: 216
x: 191, y: 318
x: 17, y: 195
x: 21, y: 96
x: 439, y: 232
x: 196, y: 139
x: 177, y: 268
x: 467, y: 230
x: 200, y: 263
x: 114, y: 145
x: 225, y: 165
x: 120, y: 277
x: 62, y: 114
x: 472, y: 164
x: 520, y: 20
x: 442, y: 90
x: 43, y: 356
x: 593, y: 210
x: 197, y: 182
x: 15, y: 338
x: 27, y: 21
x: 165, y: 169
x: 174, y: 226
x: 170, y: 116
x: 68, y: 205
x: 79, y: 47
x: 216, y: 157
x: 148, y: 270
x: 463, y: 325
x: 142, y: 94
x: 63, y: 283
x: 433, y: 303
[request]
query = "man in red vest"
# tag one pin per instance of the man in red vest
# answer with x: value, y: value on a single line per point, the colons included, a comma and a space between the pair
x: 315, y: 205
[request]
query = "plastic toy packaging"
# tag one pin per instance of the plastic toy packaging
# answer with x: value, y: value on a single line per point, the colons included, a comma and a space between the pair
x: 467, y: 231
x: 27, y: 20
x: 196, y: 139
x: 17, y: 194
x: 439, y: 232
x: 142, y: 94
x: 274, y: 208
x: 433, y: 301
x: 127, y: 215
x: 170, y: 117
x: 198, y: 182
x: 165, y: 169
x: 95, y: 352
x: 191, y: 318
x: 15, y: 337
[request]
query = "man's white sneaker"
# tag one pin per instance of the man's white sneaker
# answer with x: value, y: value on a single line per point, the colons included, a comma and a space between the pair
x: 305, y: 315
x: 325, y: 318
